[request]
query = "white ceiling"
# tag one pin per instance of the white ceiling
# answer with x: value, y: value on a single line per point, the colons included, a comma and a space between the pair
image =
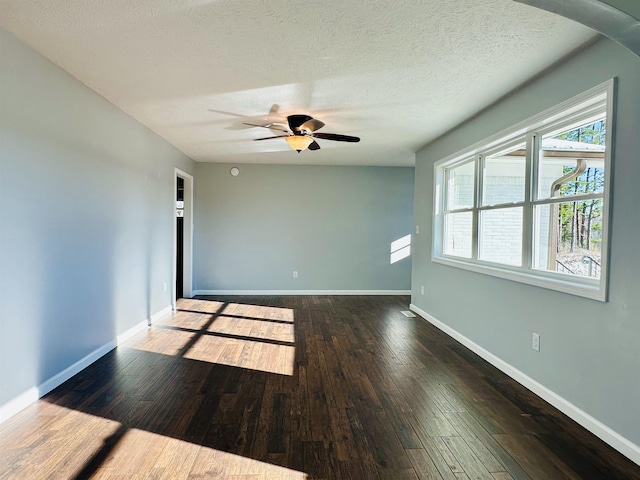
x: 397, y: 73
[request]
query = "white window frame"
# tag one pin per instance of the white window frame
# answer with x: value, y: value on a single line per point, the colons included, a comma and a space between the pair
x: 597, y: 100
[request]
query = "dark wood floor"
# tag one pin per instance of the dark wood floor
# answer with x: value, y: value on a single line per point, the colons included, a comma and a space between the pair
x: 298, y: 387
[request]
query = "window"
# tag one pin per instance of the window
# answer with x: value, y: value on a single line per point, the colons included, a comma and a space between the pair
x: 531, y: 204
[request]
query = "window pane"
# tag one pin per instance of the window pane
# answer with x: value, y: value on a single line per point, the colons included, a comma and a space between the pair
x: 568, y: 237
x: 503, y: 177
x: 572, y: 162
x: 458, y: 229
x: 460, y: 186
x: 501, y: 236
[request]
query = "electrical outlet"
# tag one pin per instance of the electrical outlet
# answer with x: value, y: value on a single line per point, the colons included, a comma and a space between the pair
x: 165, y: 286
x: 417, y: 229
x: 295, y: 274
x: 535, y: 342
x: 422, y: 290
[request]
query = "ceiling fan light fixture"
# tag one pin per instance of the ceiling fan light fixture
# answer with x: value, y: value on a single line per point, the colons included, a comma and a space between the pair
x: 299, y: 142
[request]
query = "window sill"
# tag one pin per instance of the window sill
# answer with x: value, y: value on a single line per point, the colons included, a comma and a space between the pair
x: 582, y: 287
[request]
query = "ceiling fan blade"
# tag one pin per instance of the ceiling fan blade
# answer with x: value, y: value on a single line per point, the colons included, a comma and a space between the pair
x: 269, y: 138
x: 296, y: 120
x: 336, y: 137
x: 274, y: 109
x: 270, y: 125
x: 314, y: 146
x: 312, y: 125
x: 231, y: 114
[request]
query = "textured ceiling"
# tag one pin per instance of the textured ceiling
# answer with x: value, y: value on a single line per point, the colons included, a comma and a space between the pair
x: 395, y: 73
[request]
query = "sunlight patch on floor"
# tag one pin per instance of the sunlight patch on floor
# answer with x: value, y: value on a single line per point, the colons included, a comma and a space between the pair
x: 244, y: 353
x: 255, y: 337
x: 256, y: 329
x: 157, y: 456
x: 94, y: 447
x: 188, y: 320
x: 166, y: 341
x: 54, y: 424
x: 202, y: 306
x: 192, y: 313
x: 259, y: 312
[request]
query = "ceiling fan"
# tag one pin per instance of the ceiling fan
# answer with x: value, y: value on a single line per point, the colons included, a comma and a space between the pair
x: 301, y: 133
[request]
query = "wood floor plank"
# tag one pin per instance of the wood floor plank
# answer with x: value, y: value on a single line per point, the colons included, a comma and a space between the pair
x: 423, y: 465
x: 488, y: 460
x: 502, y: 476
x: 298, y: 387
x: 397, y: 410
x: 534, y: 458
x: 345, y: 446
x: 469, y: 462
x: 442, y: 458
x: 315, y: 462
x: 492, y: 446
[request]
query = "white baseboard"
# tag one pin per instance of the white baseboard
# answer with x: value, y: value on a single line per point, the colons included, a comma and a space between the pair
x: 599, y: 429
x: 168, y: 310
x: 123, y: 337
x: 18, y: 403
x: 302, y: 292
x: 77, y: 367
x: 32, y: 395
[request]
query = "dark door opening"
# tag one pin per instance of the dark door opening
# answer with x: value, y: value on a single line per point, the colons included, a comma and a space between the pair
x: 179, y: 237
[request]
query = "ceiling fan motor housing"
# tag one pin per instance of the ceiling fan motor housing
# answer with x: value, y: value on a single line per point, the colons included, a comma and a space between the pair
x: 295, y: 121
x: 303, y: 131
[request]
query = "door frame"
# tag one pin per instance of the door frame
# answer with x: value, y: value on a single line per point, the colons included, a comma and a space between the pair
x: 187, y: 269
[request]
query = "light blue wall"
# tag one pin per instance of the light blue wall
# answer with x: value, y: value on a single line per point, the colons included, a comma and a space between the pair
x: 334, y: 225
x: 631, y: 7
x: 86, y: 220
x: 590, y: 350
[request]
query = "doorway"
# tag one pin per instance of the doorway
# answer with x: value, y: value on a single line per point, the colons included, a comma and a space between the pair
x: 183, y: 236
x: 179, y: 237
